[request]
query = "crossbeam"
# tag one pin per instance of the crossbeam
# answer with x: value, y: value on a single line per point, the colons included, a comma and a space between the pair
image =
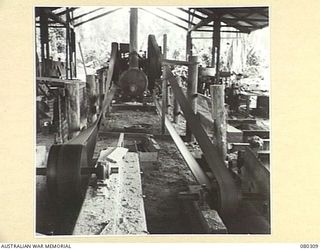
x: 229, y: 194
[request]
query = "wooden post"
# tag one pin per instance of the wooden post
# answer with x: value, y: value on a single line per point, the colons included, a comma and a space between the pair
x: 188, y: 45
x: 219, y: 117
x: 82, y: 59
x: 216, y: 48
x: 67, y: 45
x: 192, y: 90
x: 101, y: 89
x: 92, y: 98
x: 189, y: 39
x: 165, y: 46
x: 176, y: 107
x: 69, y: 41
x: 164, y: 102
x: 164, y: 56
x: 73, y: 103
x: 213, y: 52
x: 44, y: 37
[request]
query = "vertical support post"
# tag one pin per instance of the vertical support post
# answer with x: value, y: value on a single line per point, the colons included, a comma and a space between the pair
x: 73, y: 101
x: 188, y: 45
x: 44, y: 40
x: 69, y: 41
x: 192, y: 90
x: 164, y: 55
x: 164, y: 101
x: 165, y: 48
x: 73, y: 41
x: 189, y: 39
x: 213, y: 52
x: 82, y: 59
x: 219, y: 117
x: 176, y: 107
x: 91, y: 92
x: 216, y: 43
x: 101, y: 88
x: 67, y: 45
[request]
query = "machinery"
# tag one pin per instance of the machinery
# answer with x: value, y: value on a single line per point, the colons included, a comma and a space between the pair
x: 132, y: 77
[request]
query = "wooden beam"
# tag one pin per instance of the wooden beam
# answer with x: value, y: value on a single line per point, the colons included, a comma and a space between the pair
x: 91, y: 95
x: 176, y: 107
x: 222, y: 31
x: 164, y: 102
x: 216, y: 46
x: 56, y: 18
x: 246, y: 20
x: 178, y: 25
x: 180, y: 18
x: 188, y: 45
x: 192, y: 14
x: 87, y: 13
x: 219, y: 117
x: 64, y: 12
x: 175, y: 62
x: 192, y: 90
x: 96, y: 17
x: 226, y: 20
x: 200, y: 24
x: 260, y: 175
x: 103, y: 212
x: 165, y: 47
x: 239, y: 18
x: 44, y: 36
x: 228, y: 191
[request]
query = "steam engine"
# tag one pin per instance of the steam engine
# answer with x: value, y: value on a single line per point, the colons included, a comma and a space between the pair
x: 133, y: 82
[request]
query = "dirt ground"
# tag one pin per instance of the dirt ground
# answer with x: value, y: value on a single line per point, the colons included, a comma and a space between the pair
x: 161, y: 184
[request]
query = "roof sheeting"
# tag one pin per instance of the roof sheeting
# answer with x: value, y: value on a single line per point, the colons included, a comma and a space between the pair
x: 244, y: 19
x: 241, y: 19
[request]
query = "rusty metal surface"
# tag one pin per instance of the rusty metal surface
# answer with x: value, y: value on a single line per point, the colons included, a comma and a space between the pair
x: 229, y: 194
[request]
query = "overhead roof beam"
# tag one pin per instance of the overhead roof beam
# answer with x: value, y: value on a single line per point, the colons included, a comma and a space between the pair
x: 239, y: 18
x: 229, y: 21
x: 82, y: 15
x: 200, y: 24
x: 180, y: 18
x: 178, y: 25
x: 245, y: 20
x: 96, y: 17
x: 65, y: 11
x: 235, y: 25
x: 191, y: 13
x: 239, y: 9
x: 56, y: 18
x: 224, y: 31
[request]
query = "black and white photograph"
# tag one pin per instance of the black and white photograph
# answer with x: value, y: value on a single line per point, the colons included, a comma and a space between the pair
x: 152, y: 120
